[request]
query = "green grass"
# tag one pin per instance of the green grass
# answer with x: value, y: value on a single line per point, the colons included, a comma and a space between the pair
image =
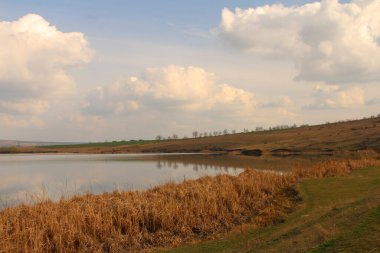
x: 338, y: 214
x: 364, y: 237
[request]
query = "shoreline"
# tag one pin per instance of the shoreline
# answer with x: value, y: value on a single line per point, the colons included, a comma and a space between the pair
x: 175, y: 213
x: 230, y: 152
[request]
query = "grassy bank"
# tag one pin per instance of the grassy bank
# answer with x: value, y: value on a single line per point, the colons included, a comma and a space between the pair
x: 337, y: 214
x: 169, y: 215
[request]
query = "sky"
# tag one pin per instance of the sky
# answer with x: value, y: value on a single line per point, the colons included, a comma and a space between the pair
x: 95, y: 70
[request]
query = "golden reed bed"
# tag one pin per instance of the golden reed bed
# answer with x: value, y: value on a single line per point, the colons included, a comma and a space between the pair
x: 167, y: 215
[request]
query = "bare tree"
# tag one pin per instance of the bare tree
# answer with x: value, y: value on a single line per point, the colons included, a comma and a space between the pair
x: 195, y: 134
x: 175, y: 137
x: 158, y: 137
x: 225, y: 132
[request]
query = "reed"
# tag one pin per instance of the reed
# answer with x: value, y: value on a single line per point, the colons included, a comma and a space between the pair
x: 337, y: 167
x: 168, y: 215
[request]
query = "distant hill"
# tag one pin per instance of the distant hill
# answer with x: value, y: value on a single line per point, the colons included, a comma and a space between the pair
x: 326, y: 138
x: 14, y: 143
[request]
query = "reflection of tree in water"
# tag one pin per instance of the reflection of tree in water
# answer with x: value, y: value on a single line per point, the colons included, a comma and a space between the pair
x: 226, y: 163
x: 196, y: 166
x: 168, y: 164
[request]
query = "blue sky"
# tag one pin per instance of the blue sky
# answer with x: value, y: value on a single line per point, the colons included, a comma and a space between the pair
x: 96, y: 70
x: 138, y: 18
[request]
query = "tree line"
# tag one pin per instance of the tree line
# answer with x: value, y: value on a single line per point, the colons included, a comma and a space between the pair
x: 200, y: 134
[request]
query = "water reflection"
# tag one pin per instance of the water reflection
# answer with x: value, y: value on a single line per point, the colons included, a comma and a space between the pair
x: 162, y: 163
x: 53, y: 176
x: 226, y: 162
x: 22, y: 176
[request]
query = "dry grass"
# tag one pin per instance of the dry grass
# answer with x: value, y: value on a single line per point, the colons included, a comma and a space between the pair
x: 167, y: 215
x: 337, y: 167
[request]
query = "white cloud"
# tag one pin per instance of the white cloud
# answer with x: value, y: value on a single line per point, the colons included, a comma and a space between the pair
x: 171, y: 88
x: 329, y: 41
x: 34, y: 56
x: 326, y: 97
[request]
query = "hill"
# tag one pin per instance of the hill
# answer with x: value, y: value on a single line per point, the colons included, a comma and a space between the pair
x: 326, y: 138
x: 14, y: 143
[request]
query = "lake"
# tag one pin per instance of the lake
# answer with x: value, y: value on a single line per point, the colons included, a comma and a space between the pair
x: 31, y: 177
x: 23, y: 177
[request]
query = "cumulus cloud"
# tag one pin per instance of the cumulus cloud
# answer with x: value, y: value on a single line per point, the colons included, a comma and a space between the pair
x: 329, y: 41
x: 326, y: 97
x: 34, y: 57
x: 171, y: 88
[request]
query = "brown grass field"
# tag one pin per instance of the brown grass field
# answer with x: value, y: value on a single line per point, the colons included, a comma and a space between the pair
x: 327, y: 138
x: 164, y: 216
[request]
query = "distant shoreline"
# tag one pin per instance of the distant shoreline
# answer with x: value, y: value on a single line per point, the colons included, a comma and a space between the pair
x: 330, y: 138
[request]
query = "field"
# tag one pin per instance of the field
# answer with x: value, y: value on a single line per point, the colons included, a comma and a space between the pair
x: 326, y: 138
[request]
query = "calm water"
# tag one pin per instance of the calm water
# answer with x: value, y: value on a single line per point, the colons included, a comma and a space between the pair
x: 24, y: 177
x: 32, y: 177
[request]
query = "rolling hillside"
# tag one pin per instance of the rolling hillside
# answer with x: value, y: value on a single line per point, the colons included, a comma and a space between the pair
x: 327, y: 138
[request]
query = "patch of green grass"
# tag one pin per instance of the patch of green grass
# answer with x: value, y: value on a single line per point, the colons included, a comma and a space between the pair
x: 338, y: 214
x: 364, y: 237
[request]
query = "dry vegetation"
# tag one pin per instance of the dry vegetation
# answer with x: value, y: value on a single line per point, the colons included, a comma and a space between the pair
x: 167, y: 215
